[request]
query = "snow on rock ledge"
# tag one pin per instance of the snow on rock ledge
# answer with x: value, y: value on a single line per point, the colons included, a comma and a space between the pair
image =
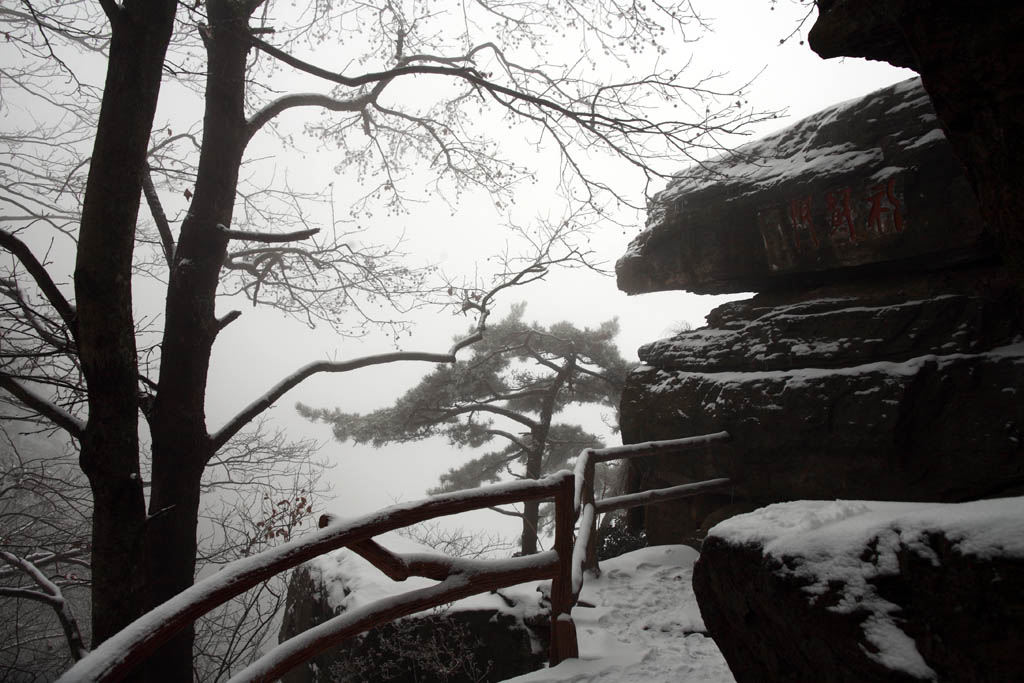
x: 867, y: 591
x: 905, y: 390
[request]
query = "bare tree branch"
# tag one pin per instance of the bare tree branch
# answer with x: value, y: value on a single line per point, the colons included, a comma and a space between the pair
x: 282, y: 104
x: 28, y: 594
x: 44, y: 558
x: 465, y: 73
x: 42, y: 32
x: 60, y: 417
x: 227, y: 319
x: 268, y: 237
x: 41, y: 277
x: 507, y: 513
x: 159, y: 217
x: 53, y: 597
x: 262, y: 403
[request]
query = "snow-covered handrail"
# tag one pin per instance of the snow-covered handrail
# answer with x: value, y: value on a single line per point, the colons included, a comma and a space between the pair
x: 590, y: 456
x: 644, y: 448
x: 573, y: 494
x: 579, y: 551
x: 118, y: 655
x: 661, y: 495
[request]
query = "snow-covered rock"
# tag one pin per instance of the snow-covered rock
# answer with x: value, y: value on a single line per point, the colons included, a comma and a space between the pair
x: 906, y: 390
x: 868, y: 591
x: 491, y: 636
x: 866, y: 184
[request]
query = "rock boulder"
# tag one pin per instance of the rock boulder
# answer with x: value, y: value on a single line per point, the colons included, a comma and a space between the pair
x: 873, y: 363
x: 487, y: 637
x: 902, y: 390
x: 883, y: 358
x: 867, y: 591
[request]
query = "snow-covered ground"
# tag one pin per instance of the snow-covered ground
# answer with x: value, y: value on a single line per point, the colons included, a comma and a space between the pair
x: 644, y: 626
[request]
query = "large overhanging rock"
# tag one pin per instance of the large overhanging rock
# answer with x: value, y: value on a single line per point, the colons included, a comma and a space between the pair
x: 866, y: 185
x: 867, y: 591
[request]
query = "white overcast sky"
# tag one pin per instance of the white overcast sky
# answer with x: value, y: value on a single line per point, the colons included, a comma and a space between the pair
x: 255, y: 351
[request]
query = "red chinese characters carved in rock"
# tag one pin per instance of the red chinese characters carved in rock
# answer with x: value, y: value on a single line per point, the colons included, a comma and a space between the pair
x: 838, y: 214
x: 885, y: 208
x: 848, y: 217
x: 802, y: 221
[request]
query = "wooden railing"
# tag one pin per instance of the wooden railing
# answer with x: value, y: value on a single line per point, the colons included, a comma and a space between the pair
x: 585, y: 550
x: 564, y: 565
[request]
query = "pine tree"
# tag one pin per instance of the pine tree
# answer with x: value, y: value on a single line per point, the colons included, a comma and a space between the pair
x: 506, y: 393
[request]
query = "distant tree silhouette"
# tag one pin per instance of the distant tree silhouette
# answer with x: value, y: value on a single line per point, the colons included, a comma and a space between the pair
x: 508, y: 390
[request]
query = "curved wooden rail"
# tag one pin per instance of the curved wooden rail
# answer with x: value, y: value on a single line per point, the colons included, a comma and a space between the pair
x: 118, y: 655
x: 565, y: 565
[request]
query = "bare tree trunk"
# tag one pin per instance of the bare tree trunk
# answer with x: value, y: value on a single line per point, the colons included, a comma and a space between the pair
x: 181, y: 443
x: 141, y: 32
x: 171, y: 560
x: 535, y: 459
x: 531, y: 508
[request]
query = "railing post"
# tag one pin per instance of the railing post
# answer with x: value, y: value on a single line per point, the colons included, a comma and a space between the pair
x: 590, y: 563
x: 563, y: 631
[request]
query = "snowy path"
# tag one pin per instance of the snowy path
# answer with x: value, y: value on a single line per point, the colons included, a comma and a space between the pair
x: 645, y: 626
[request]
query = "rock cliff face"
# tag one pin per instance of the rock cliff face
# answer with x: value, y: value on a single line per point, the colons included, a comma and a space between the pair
x: 970, y: 57
x: 882, y: 358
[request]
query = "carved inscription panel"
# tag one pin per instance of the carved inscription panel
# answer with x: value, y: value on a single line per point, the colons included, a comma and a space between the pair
x: 836, y: 225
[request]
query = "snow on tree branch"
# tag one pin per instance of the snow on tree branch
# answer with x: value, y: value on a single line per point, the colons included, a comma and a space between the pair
x: 37, y: 402
x: 50, y: 594
x: 267, y: 237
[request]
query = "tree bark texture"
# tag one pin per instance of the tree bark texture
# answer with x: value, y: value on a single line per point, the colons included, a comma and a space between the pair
x: 109, y: 453
x: 139, y: 561
x: 181, y: 442
x: 535, y: 458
